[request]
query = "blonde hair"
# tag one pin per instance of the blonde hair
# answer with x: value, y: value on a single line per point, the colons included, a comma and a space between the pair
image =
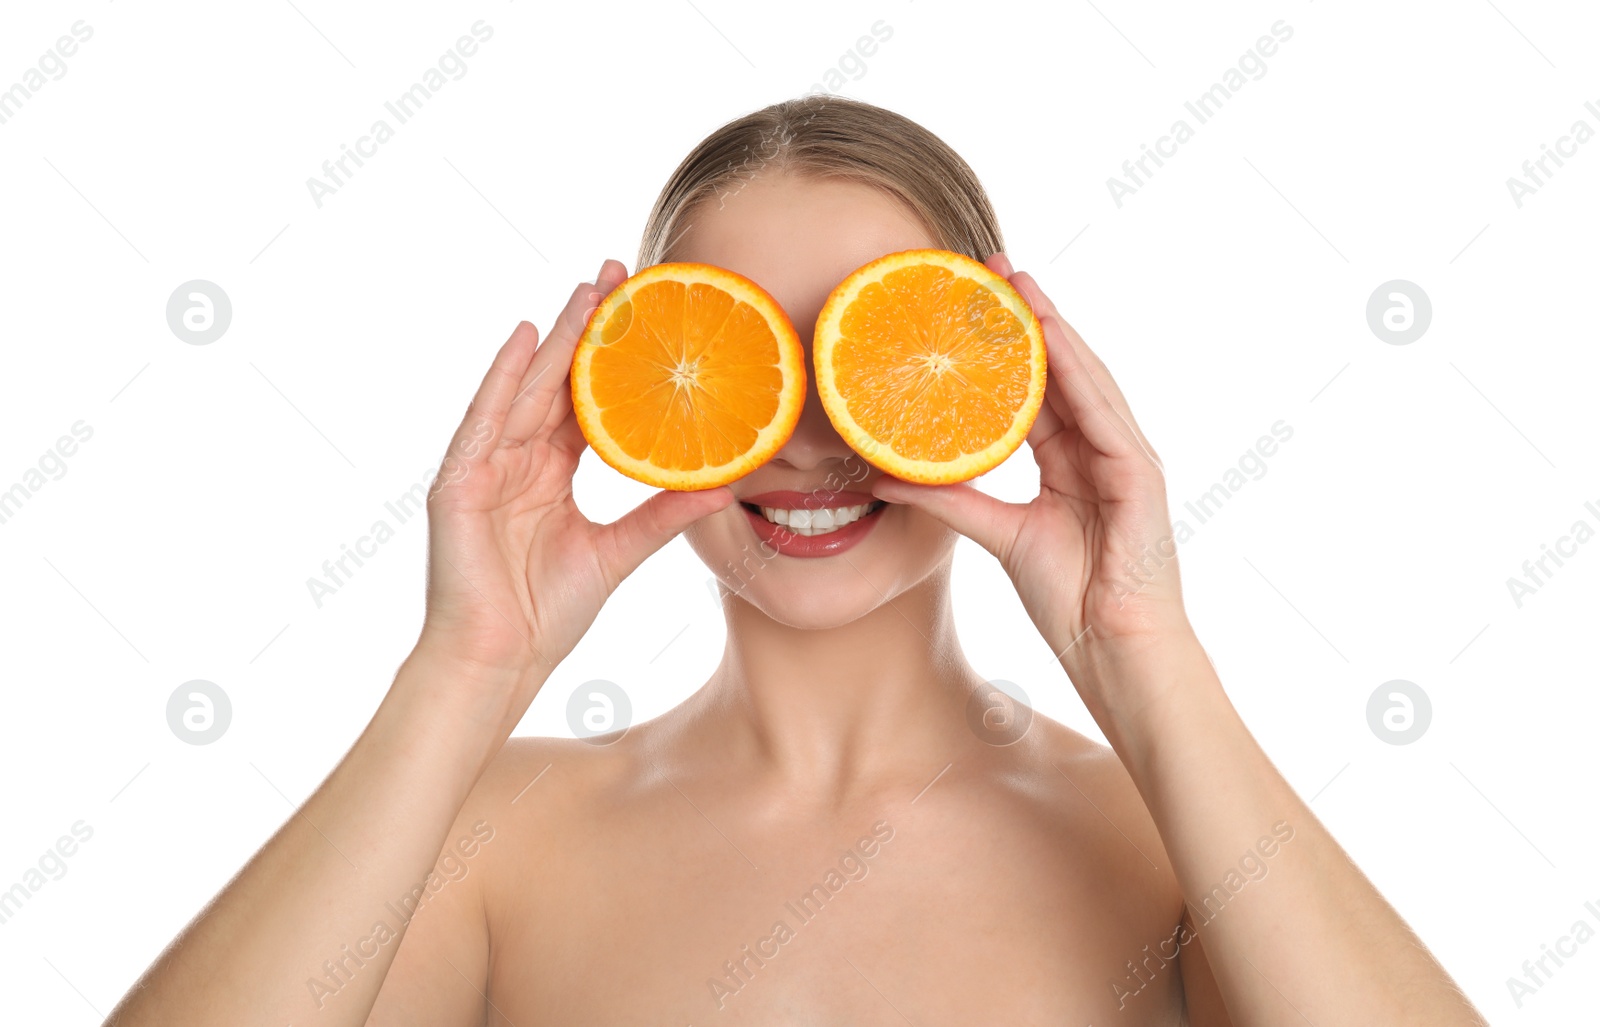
x: 826, y: 136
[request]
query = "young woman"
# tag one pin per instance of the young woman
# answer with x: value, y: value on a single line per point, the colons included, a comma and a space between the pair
x: 837, y: 827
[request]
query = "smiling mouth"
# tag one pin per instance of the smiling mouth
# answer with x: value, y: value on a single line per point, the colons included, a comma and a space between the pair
x: 815, y: 522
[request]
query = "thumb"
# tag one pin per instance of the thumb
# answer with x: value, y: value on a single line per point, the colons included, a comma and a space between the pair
x: 655, y: 522
x: 988, y: 521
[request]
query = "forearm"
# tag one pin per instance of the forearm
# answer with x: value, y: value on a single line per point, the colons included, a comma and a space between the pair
x: 1290, y: 926
x: 361, y: 844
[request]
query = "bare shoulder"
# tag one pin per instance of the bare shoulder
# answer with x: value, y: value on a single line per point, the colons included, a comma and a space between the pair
x: 1146, y: 883
x: 1091, y: 790
x: 536, y: 783
x: 1092, y: 770
x: 498, y: 861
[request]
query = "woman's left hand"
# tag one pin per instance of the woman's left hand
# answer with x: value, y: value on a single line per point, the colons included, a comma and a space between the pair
x: 1093, y: 555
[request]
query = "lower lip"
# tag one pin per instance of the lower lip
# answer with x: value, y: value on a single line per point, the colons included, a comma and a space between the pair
x: 787, y: 543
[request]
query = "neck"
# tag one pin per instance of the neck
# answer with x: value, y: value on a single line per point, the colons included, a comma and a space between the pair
x: 832, y: 710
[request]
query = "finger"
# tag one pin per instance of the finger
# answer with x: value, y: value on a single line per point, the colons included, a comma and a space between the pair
x: 629, y: 539
x: 559, y: 413
x: 1042, y: 304
x: 546, y: 378
x: 990, y: 522
x: 1108, y: 384
x: 1115, y: 402
x: 541, y: 383
x: 1094, y: 385
x: 1090, y: 409
x: 612, y: 274
x: 568, y: 435
x: 1046, y: 424
x: 486, y: 414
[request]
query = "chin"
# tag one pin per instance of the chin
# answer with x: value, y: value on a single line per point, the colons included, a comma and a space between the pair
x: 815, y: 594
x: 810, y: 609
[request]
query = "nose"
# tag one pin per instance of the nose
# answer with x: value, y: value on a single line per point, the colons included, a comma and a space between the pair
x: 815, y: 442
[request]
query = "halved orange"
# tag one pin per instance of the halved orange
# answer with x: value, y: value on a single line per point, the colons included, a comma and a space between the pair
x: 930, y: 365
x: 688, y: 376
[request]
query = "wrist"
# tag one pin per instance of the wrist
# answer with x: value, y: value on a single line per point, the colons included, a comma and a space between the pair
x: 1127, y: 680
x: 417, y: 725
x: 462, y: 709
x: 440, y: 650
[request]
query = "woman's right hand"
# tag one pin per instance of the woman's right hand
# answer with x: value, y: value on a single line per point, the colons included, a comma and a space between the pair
x: 516, y: 573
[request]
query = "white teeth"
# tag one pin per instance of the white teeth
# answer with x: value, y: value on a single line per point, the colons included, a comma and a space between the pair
x: 816, y: 522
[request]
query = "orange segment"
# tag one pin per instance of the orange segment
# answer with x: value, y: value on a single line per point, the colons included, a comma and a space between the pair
x: 930, y: 365
x: 688, y: 376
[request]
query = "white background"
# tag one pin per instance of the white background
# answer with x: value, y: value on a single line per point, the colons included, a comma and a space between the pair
x: 1227, y: 294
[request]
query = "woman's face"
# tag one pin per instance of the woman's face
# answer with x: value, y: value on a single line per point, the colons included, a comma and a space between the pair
x: 798, y: 238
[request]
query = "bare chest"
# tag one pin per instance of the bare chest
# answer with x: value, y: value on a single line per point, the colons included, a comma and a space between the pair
x: 920, y: 921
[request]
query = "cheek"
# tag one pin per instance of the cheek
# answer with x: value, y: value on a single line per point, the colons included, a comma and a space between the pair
x: 925, y: 534
x: 712, y: 538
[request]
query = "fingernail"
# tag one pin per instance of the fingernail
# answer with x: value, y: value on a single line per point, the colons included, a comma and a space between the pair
x: 602, y: 270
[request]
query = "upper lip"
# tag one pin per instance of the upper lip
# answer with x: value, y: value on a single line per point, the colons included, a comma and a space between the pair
x: 816, y: 499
